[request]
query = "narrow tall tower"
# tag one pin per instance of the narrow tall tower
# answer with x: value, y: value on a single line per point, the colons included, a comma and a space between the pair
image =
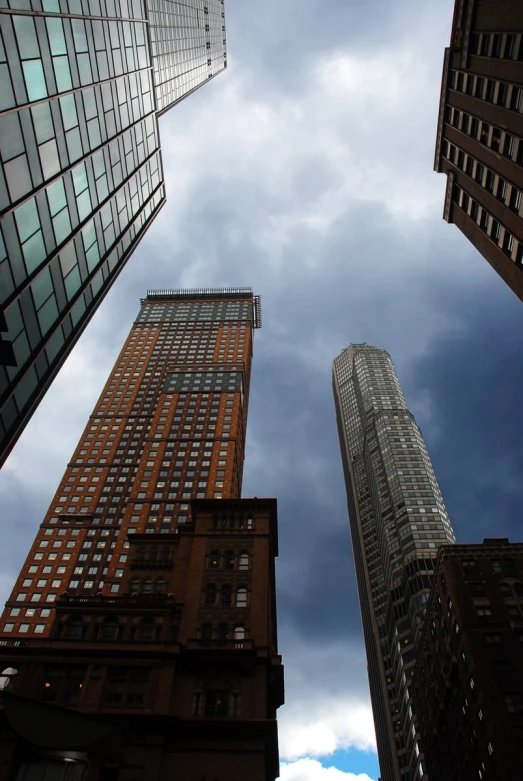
x: 397, y: 521
x: 148, y: 595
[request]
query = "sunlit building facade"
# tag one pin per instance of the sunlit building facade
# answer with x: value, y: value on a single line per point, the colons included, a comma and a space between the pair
x: 83, y: 84
x: 398, y: 521
x: 142, y: 628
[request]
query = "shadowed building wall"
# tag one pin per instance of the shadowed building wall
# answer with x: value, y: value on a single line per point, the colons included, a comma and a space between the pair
x: 479, y: 143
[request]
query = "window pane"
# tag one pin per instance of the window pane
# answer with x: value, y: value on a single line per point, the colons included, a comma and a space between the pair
x: 62, y: 226
x: 56, y: 197
x: 56, y: 36
x: 11, y: 140
x: 27, y: 219
x: 62, y: 74
x: 48, y: 314
x: 34, y: 79
x: 42, y: 288
x: 43, y: 123
x: 69, y: 115
x: 18, y: 177
x: 49, y: 158
x: 72, y: 283
x: 34, y: 251
x: 74, y: 144
x: 26, y: 37
x: 7, y: 98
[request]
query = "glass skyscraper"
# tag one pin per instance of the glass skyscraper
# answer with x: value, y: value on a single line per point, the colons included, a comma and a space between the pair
x: 398, y: 521
x: 82, y: 85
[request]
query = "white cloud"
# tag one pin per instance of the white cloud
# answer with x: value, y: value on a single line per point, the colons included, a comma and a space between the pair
x: 328, y: 707
x: 311, y: 770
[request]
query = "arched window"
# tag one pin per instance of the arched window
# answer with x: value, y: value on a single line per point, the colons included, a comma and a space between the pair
x: 226, y: 594
x: 134, y: 586
x: 110, y: 629
x: 73, y: 629
x: 518, y: 589
x: 159, y: 586
x: 146, y: 629
x: 241, y: 597
x: 244, y: 561
x: 166, y: 554
x: 140, y: 553
x: 7, y: 677
x: 210, y: 595
x: 206, y: 631
x: 147, y: 586
x: 214, y: 559
x: 230, y: 559
x: 223, y: 631
x: 152, y: 553
x: 505, y: 589
x: 217, y: 699
x: 239, y: 636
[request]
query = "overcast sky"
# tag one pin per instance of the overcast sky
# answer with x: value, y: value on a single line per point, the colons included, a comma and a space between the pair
x: 305, y: 172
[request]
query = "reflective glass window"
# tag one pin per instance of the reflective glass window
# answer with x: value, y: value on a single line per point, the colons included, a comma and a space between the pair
x: 49, y: 158
x: 42, y: 288
x: 48, y: 314
x: 11, y: 140
x: 34, y: 79
x: 80, y: 39
x: 69, y: 115
x: 43, y: 123
x: 55, y: 32
x: 56, y: 197
x: 7, y: 98
x: 62, y: 74
x: 74, y: 144
x: 27, y: 219
x: 26, y: 37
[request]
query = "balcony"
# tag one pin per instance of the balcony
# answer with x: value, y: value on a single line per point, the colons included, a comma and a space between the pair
x: 229, y: 644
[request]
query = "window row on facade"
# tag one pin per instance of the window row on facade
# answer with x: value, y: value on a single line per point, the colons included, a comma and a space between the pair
x: 491, y: 226
x: 123, y: 686
x: 500, y: 93
x: 506, y: 46
x: 118, y: 9
x: 229, y: 560
x: 147, y: 628
x: 491, y: 136
x: 226, y: 595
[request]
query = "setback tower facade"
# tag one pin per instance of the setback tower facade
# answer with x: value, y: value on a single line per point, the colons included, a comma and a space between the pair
x: 81, y: 177
x: 398, y: 521
x: 479, y: 144
x: 146, y: 607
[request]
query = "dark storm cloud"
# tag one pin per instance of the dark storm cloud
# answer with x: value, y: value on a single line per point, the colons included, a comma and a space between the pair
x: 474, y: 378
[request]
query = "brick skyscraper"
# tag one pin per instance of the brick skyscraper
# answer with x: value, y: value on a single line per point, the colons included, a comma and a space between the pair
x: 397, y: 521
x: 81, y: 176
x: 148, y: 550
x: 479, y: 143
